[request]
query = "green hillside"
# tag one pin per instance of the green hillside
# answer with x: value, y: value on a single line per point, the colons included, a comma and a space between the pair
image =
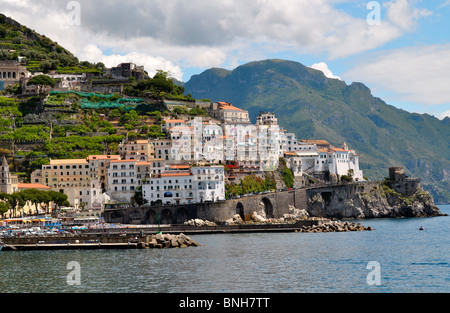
x: 316, y: 107
x: 39, y: 53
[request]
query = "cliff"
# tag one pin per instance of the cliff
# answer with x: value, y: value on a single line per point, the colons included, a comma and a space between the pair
x: 379, y: 202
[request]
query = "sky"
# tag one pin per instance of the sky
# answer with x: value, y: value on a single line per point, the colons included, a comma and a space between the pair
x: 400, y: 49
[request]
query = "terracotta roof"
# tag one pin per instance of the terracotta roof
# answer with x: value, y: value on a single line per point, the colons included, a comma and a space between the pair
x: 338, y: 150
x: 317, y: 142
x: 180, y: 166
x: 122, y: 161
x: 103, y: 157
x: 231, y: 108
x: 176, y: 174
x: 174, y: 121
x: 32, y: 186
x: 228, y: 106
x: 68, y: 161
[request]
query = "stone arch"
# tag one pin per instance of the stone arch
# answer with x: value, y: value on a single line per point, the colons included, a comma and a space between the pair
x: 151, y: 218
x: 135, y: 217
x: 268, y: 207
x: 240, y: 210
x: 166, y: 217
x: 181, y: 215
x: 116, y: 217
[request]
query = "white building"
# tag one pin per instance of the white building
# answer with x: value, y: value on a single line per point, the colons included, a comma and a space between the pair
x: 312, y: 160
x: 345, y: 162
x: 181, y: 186
x: 169, y: 188
x: 122, y: 180
x: 208, y: 183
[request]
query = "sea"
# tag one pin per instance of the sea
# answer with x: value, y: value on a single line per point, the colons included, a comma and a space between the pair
x: 396, y: 257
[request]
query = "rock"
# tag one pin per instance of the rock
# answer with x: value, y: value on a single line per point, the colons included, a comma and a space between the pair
x: 334, y: 226
x: 378, y: 202
x: 257, y: 217
x: 199, y: 222
x: 171, y: 241
x: 174, y: 243
x: 235, y: 220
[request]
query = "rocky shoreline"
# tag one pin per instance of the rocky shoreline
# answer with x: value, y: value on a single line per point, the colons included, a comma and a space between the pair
x: 380, y: 202
x: 322, y: 225
x: 335, y: 226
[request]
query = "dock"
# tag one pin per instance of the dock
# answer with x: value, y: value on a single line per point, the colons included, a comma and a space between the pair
x: 141, y: 237
x: 69, y: 246
x: 99, y: 242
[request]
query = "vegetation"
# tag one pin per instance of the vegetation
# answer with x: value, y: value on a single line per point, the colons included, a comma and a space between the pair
x: 39, y: 53
x: 161, y: 86
x: 286, y: 173
x: 16, y: 201
x: 250, y: 184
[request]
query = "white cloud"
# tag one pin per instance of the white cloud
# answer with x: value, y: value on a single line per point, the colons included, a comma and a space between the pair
x: 444, y: 115
x: 203, y: 33
x: 401, y: 14
x: 446, y: 3
x: 417, y: 74
x: 323, y: 67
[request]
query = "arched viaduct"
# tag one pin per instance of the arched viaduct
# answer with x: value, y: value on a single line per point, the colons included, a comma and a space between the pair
x: 275, y: 205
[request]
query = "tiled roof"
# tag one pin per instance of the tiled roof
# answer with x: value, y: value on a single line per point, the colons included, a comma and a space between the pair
x: 103, y: 157
x: 175, y: 174
x: 32, y: 186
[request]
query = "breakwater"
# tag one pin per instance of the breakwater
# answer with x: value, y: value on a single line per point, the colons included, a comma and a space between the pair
x: 165, y: 237
x: 99, y: 242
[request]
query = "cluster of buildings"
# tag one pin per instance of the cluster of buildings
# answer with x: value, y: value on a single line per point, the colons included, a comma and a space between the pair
x: 192, y: 164
x: 14, y: 72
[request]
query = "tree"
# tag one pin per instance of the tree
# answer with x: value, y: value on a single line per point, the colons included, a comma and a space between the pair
x: 4, y: 207
x: 14, y: 200
x: 59, y: 199
x: 37, y: 197
x: 138, y: 198
x: 40, y: 81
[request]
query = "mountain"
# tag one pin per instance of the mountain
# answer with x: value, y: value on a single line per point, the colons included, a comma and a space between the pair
x: 37, y: 52
x: 316, y: 107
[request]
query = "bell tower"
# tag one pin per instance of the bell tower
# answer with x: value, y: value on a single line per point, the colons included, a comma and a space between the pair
x: 8, y: 183
x: 5, y: 177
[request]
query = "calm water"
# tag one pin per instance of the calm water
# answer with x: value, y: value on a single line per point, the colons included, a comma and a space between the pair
x: 410, y: 261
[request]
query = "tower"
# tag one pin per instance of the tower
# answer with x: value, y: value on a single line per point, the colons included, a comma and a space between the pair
x: 5, y: 177
x: 8, y: 182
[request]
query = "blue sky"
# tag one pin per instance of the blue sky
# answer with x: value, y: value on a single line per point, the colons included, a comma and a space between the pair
x: 404, y: 59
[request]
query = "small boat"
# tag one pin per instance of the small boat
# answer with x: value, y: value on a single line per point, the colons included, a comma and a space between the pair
x: 421, y: 228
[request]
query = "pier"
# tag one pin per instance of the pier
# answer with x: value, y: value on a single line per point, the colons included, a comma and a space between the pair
x: 142, y: 237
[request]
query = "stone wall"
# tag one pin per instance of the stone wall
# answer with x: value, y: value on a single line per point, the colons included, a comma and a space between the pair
x: 370, y: 200
x: 353, y: 201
